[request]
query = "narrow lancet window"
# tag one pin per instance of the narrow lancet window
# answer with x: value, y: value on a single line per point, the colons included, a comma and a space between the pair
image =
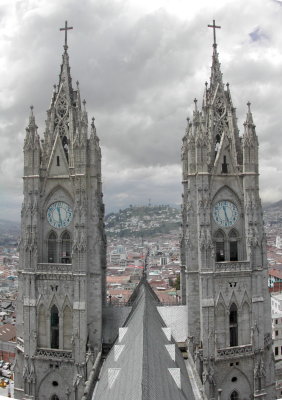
x: 52, y: 248
x: 233, y: 325
x: 66, y: 248
x: 219, y: 244
x: 234, y: 395
x: 233, y: 245
x: 224, y: 166
x: 54, y: 327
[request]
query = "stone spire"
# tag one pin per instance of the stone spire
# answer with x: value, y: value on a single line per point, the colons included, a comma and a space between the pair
x: 32, y: 147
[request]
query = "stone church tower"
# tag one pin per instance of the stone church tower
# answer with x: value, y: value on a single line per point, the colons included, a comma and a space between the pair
x: 224, y: 250
x: 62, y: 251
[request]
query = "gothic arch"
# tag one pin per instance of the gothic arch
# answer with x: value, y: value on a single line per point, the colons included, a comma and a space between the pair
x: 54, y: 299
x: 232, y: 196
x: 57, y: 188
x: 46, y: 384
x: 233, y: 299
x: 245, y: 299
x: 220, y: 299
x: 241, y: 385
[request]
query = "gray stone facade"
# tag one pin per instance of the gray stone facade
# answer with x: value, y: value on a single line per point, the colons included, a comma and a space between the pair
x: 62, y: 251
x: 224, y: 250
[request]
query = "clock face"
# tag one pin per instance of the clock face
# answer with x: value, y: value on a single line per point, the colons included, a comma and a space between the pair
x: 59, y: 214
x: 225, y: 213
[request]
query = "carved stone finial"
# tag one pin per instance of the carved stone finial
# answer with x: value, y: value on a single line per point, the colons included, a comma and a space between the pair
x: 77, y: 83
x: 206, y: 84
x: 195, y: 101
x: 249, y: 106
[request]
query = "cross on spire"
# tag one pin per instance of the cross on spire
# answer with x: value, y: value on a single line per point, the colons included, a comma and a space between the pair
x: 66, y: 28
x: 214, y: 28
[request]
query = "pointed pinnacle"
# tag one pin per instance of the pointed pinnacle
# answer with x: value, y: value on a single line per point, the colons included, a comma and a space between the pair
x: 31, y: 110
x: 249, y: 106
x: 195, y: 101
x: 77, y: 83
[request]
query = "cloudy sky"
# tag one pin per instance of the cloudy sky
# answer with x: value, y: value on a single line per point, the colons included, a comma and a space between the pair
x: 140, y: 64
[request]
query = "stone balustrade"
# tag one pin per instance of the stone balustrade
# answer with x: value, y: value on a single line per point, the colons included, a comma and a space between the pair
x: 54, y: 267
x: 235, y: 352
x: 54, y: 354
x: 231, y: 266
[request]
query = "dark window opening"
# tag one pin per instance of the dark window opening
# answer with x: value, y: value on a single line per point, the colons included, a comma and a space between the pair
x: 276, y: 333
x: 233, y: 246
x: 52, y: 248
x: 234, y: 395
x: 66, y: 248
x: 233, y: 251
x: 220, y: 251
x: 54, y: 327
x: 276, y: 351
x: 55, y: 383
x: 233, y: 325
x: 224, y: 166
x: 217, y: 143
x: 65, y: 146
x: 58, y: 161
x: 54, y: 397
x: 234, y: 379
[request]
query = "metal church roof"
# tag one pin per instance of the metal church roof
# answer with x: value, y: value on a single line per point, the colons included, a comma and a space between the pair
x: 144, y: 363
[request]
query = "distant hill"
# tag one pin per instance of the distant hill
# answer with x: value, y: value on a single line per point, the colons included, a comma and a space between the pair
x: 9, y: 226
x: 143, y: 221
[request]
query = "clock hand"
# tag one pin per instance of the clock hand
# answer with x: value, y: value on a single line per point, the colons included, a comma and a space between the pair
x: 224, y: 208
x: 59, y: 212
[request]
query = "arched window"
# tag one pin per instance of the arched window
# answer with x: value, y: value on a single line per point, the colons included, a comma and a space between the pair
x: 54, y: 327
x: 234, y: 395
x: 67, y: 328
x: 52, y: 248
x: 42, y: 338
x: 219, y: 246
x: 54, y: 397
x: 233, y: 245
x: 66, y: 248
x: 233, y: 325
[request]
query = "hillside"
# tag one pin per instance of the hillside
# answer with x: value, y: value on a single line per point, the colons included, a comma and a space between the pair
x: 143, y: 221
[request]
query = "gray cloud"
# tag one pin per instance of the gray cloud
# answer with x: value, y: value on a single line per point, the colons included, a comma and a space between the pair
x: 139, y: 67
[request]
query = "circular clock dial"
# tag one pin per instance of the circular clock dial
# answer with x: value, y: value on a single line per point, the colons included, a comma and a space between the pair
x: 59, y: 214
x: 225, y: 213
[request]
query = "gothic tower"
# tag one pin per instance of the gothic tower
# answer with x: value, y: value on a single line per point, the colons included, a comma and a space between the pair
x: 224, y: 250
x: 62, y: 250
